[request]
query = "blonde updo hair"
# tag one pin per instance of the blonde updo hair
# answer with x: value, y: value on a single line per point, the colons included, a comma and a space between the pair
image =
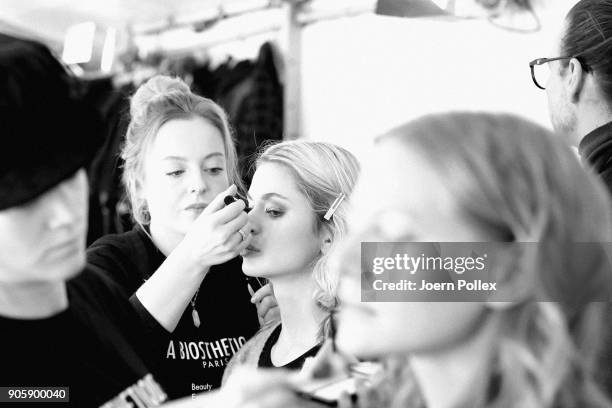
x: 322, y: 172
x: 514, y: 178
x: 157, y: 101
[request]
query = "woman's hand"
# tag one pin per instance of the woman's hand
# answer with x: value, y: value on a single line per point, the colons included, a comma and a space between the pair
x: 366, y: 397
x: 267, y: 307
x: 330, y: 363
x: 213, y: 237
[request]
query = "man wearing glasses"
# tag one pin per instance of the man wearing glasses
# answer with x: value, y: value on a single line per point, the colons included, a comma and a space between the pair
x: 578, y: 83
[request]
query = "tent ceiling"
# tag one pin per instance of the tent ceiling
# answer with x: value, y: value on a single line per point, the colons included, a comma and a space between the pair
x: 49, y: 19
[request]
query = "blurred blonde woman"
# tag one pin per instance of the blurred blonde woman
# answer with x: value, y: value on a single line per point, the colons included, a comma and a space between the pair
x: 299, y: 196
x: 479, y: 177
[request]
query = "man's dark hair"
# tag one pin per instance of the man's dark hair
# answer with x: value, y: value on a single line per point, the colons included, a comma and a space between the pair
x: 588, y: 37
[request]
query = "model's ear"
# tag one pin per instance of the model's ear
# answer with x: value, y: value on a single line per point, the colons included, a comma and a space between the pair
x: 139, y: 186
x: 514, y: 285
x: 326, y: 240
x: 576, y: 76
x: 139, y: 190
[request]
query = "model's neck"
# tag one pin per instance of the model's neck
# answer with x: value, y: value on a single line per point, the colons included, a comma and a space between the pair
x: 164, y: 239
x: 458, y: 376
x: 35, y: 300
x: 300, y: 317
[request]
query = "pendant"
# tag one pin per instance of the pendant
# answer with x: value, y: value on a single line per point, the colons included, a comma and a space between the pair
x: 196, y: 317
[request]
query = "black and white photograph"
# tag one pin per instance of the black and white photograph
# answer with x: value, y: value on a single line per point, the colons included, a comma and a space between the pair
x: 306, y: 203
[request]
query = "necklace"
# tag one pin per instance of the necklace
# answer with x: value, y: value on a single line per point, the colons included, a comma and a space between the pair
x: 194, y: 313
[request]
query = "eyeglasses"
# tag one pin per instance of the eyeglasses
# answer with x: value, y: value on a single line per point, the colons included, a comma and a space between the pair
x: 540, y: 73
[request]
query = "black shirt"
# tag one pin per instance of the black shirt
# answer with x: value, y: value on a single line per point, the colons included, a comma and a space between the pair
x: 193, y: 359
x: 87, y: 347
x: 596, y: 150
x: 265, y: 358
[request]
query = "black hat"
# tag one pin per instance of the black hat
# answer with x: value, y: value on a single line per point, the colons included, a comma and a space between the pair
x: 46, y: 133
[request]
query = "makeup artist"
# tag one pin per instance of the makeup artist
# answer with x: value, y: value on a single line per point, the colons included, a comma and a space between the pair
x: 298, y: 197
x: 179, y: 264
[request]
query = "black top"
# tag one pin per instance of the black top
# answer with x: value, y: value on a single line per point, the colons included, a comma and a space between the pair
x: 87, y: 347
x: 193, y: 359
x: 265, y: 358
x: 596, y: 150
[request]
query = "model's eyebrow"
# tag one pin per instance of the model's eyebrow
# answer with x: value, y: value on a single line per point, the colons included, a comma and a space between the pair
x: 180, y: 158
x: 269, y: 195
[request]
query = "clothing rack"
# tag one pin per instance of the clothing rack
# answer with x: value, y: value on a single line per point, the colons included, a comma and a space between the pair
x: 203, y: 23
x: 294, y: 17
x: 271, y: 28
x: 353, y: 8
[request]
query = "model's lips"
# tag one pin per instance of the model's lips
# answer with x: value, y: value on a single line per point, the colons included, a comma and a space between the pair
x: 249, y: 251
x: 196, y: 206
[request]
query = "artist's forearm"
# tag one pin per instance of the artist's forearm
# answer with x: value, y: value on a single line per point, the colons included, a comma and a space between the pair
x: 168, y: 292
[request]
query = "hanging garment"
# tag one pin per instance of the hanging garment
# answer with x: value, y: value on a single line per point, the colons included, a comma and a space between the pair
x: 107, y: 215
x: 254, y: 105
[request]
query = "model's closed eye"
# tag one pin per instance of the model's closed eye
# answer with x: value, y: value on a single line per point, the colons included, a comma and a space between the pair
x: 274, y: 212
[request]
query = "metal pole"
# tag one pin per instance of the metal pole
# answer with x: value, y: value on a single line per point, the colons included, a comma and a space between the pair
x: 293, y: 73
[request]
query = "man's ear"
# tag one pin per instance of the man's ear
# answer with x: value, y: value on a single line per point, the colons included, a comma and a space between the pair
x: 576, y: 76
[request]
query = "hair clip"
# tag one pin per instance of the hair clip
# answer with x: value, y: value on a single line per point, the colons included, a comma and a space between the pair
x: 333, y: 207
